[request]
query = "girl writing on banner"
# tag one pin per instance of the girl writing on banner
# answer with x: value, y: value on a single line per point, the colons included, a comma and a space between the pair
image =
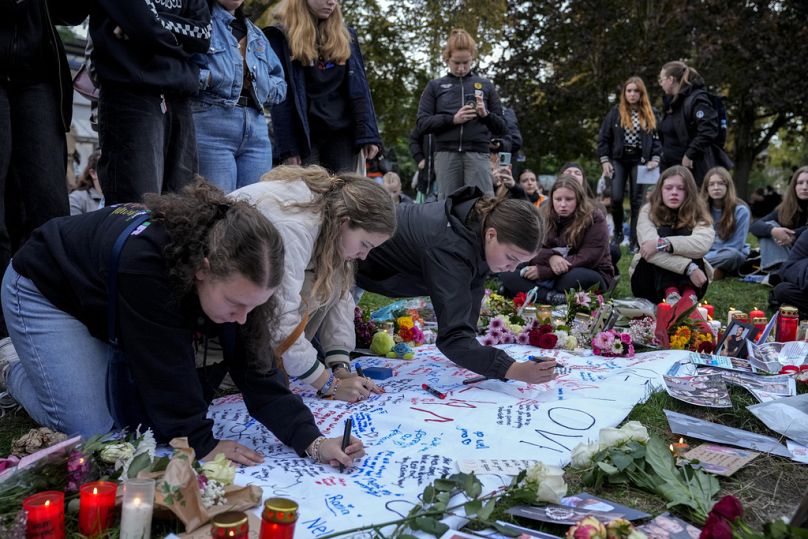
x: 730, y: 217
x: 575, y: 254
x: 446, y: 251
x: 328, y: 223
x: 675, y: 234
x: 628, y: 140
x: 196, y: 262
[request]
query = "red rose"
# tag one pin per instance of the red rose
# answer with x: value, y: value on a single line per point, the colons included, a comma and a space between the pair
x: 534, y: 337
x: 519, y: 300
x: 547, y: 340
x: 545, y: 328
x: 716, y: 528
x: 728, y: 507
x: 705, y: 347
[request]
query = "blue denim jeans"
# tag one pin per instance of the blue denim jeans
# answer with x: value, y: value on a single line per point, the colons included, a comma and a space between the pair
x: 771, y: 253
x: 232, y: 144
x: 60, y: 379
x: 149, y: 144
x: 727, y: 259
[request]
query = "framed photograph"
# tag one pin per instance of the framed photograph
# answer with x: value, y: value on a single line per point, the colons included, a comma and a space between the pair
x: 733, y: 342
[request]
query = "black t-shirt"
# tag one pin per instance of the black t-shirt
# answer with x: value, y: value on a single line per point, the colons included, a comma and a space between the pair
x: 67, y: 259
x: 327, y: 94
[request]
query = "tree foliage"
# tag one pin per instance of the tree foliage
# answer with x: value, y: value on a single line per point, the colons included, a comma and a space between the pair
x: 560, y: 63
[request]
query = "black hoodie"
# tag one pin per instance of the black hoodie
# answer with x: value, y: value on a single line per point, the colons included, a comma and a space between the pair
x: 147, y: 44
x: 437, y: 250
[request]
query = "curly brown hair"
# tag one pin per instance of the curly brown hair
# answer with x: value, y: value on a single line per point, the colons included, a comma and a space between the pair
x: 233, y: 237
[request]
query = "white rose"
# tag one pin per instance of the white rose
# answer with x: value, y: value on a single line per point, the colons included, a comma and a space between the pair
x: 582, y: 454
x: 114, y: 452
x: 610, y: 437
x: 572, y: 343
x: 635, y: 431
x: 549, y: 482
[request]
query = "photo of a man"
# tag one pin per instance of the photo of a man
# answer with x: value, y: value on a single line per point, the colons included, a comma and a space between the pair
x: 733, y: 344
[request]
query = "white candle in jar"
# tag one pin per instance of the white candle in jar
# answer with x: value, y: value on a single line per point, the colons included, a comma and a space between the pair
x: 137, y: 509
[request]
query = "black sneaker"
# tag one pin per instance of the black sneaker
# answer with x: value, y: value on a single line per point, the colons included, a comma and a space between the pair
x: 556, y: 298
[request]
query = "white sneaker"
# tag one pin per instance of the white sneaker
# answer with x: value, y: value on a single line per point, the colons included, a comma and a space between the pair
x: 8, y: 356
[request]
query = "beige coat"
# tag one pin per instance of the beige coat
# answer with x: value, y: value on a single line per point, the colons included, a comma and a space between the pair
x: 334, y: 318
x: 685, y: 248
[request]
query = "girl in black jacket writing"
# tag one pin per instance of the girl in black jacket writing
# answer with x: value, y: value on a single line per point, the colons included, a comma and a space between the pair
x: 446, y: 250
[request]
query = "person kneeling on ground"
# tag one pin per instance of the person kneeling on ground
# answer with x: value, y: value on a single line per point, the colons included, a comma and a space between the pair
x: 446, y: 251
x: 107, y: 304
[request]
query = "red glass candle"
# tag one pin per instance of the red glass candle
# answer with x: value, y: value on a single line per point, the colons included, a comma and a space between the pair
x: 663, y: 308
x: 278, y: 519
x: 230, y: 525
x: 760, y: 324
x: 756, y: 313
x: 46, y: 515
x: 787, y: 324
x: 710, y: 310
x: 96, y: 506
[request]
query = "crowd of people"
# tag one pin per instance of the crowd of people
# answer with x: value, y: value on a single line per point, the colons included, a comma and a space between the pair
x: 180, y: 228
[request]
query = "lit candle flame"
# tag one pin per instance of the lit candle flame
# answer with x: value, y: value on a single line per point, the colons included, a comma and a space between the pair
x: 47, y: 503
x: 95, y: 491
x: 231, y: 533
x: 136, y: 501
x: 681, y: 440
x: 671, y: 448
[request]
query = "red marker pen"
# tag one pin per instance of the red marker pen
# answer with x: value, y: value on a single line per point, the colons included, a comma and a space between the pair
x: 433, y: 391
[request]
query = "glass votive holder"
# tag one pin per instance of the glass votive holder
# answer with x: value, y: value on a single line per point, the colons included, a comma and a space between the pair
x: 230, y: 525
x: 279, y: 518
x: 96, y: 506
x: 46, y: 515
x: 137, y: 508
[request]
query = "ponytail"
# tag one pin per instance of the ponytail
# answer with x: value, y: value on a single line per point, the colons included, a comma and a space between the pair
x: 517, y: 222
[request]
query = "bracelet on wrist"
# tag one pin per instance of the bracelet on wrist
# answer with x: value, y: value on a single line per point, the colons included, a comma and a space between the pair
x: 340, y: 365
x: 326, y: 389
x: 313, y: 451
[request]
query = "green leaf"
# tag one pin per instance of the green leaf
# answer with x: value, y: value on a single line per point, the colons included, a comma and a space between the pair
x: 622, y: 461
x: 474, y: 489
x: 505, y: 531
x: 487, y: 509
x: 473, y: 507
x: 440, y: 529
x: 140, y: 462
x: 407, y: 536
x: 608, y: 468
x: 429, y: 494
x: 444, y: 497
x: 426, y: 524
x: 444, y: 485
x: 660, y: 459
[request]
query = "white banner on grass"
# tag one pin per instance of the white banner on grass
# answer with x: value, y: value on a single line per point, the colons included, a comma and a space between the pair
x: 412, y: 437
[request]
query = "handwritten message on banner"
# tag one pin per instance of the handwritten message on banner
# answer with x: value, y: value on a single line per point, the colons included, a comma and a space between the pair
x: 412, y: 437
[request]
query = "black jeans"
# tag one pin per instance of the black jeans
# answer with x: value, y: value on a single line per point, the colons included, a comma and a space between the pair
x: 33, y: 164
x: 625, y: 172
x: 574, y: 279
x: 332, y: 151
x: 148, y: 144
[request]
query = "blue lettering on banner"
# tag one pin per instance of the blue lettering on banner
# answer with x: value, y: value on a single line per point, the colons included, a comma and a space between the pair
x: 318, y: 527
x: 335, y: 504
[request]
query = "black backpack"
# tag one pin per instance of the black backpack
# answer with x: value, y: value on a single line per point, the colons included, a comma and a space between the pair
x: 717, y: 102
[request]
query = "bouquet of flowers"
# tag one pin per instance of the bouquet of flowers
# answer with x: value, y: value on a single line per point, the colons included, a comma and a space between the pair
x: 611, y: 343
x: 642, y: 331
x: 683, y: 328
x: 494, y: 305
x: 582, y: 302
x: 501, y: 331
x: 364, y: 327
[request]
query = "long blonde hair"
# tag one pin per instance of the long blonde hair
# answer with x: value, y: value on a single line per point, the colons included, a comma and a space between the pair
x: 693, y: 211
x: 646, y: 113
x: 726, y: 224
x: 365, y: 204
x: 582, y: 217
x: 311, y: 38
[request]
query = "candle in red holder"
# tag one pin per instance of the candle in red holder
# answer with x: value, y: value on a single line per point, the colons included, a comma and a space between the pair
x: 278, y: 519
x: 46, y: 515
x: 663, y: 308
x: 710, y: 310
x: 760, y: 324
x: 756, y: 313
x: 230, y: 525
x: 96, y: 506
x: 787, y: 324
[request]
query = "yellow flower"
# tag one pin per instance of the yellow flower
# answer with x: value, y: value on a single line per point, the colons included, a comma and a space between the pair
x: 404, y: 322
x: 220, y: 469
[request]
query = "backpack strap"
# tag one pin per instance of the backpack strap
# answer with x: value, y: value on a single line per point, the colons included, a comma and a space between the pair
x: 120, y: 392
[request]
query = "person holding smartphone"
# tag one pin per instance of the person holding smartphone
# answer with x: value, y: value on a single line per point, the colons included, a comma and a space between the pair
x: 463, y: 112
x: 502, y: 176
